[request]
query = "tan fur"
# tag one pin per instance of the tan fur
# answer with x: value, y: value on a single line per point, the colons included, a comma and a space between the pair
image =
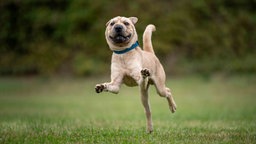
x: 136, y: 67
x: 147, y: 44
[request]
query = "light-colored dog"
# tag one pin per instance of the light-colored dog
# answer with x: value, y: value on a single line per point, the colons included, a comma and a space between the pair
x: 133, y: 66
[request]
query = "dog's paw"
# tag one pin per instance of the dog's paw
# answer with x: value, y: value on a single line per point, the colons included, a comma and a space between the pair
x: 149, y: 129
x: 145, y: 73
x: 99, y: 88
x: 173, y: 108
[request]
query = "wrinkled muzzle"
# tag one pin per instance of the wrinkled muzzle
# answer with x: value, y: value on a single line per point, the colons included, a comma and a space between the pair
x: 118, y: 34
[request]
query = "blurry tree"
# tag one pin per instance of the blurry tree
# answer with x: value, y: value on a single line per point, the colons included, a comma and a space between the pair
x: 67, y: 36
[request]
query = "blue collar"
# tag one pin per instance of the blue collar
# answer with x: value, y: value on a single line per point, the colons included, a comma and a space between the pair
x: 127, y: 49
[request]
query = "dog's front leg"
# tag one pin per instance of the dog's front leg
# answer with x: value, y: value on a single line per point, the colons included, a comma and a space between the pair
x: 113, y: 86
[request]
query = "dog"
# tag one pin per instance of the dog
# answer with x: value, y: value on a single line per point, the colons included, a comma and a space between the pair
x: 133, y: 66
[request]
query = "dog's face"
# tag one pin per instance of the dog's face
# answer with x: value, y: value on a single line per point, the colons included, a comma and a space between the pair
x: 120, y: 32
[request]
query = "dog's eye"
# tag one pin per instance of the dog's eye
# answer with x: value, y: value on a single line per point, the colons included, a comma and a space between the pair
x: 112, y: 23
x: 126, y: 23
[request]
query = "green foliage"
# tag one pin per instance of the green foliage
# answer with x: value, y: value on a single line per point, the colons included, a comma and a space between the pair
x: 51, y: 36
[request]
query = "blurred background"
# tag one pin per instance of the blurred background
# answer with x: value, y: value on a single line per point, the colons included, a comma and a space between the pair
x: 66, y: 37
x: 53, y: 52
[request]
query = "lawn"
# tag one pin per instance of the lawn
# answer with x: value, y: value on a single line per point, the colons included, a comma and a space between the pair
x: 67, y: 110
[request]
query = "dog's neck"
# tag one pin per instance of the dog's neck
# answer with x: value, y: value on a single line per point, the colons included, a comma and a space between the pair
x: 136, y: 44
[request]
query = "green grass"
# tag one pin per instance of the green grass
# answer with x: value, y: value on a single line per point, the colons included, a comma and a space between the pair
x: 217, y: 110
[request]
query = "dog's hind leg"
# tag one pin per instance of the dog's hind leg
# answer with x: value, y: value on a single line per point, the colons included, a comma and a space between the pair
x: 146, y: 105
x: 170, y: 100
x: 144, y: 99
x: 163, y: 91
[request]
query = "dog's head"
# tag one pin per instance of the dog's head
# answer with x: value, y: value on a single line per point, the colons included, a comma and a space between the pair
x: 120, y: 32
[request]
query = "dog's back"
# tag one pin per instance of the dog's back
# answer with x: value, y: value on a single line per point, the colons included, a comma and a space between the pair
x: 147, y: 44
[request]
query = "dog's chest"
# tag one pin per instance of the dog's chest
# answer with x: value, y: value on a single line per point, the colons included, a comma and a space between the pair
x: 128, y: 62
x: 131, y: 74
x: 129, y: 66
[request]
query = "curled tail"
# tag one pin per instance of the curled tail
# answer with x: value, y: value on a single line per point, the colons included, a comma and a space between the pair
x: 147, y: 44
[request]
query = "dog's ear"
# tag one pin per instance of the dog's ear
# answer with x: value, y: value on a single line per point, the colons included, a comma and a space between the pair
x: 108, y: 22
x: 133, y: 19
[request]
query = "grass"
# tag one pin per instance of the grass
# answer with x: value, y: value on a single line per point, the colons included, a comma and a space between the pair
x: 216, y: 110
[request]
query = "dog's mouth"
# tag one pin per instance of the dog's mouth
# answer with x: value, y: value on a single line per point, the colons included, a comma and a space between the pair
x: 119, y: 38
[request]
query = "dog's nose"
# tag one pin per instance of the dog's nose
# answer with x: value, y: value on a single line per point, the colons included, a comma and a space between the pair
x: 118, y: 28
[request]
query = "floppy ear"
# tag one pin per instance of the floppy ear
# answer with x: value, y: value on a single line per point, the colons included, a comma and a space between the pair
x: 108, y: 22
x: 133, y: 19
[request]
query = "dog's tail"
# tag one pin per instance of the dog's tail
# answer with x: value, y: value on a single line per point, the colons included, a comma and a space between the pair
x: 147, y: 44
